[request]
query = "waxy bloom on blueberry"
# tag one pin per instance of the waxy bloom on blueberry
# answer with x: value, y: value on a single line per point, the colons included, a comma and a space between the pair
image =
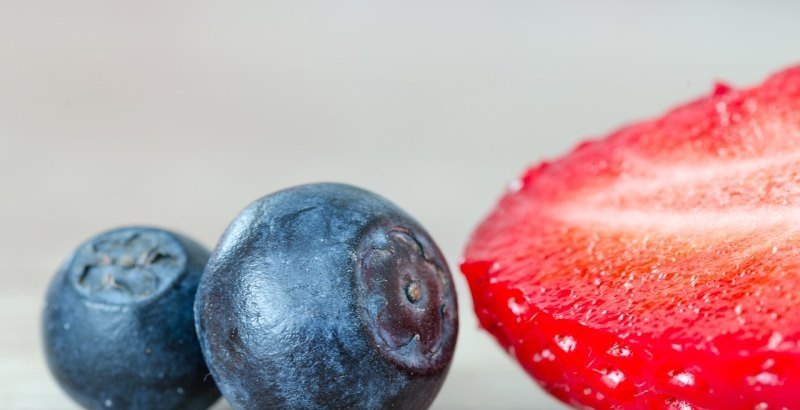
x: 327, y: 296
x: 118, y: 325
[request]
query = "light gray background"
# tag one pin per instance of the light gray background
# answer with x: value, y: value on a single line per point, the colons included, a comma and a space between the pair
x: 179, y: 113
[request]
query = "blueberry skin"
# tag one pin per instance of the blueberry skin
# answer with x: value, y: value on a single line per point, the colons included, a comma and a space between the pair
x: 118, y: 324
x: 326, y: 296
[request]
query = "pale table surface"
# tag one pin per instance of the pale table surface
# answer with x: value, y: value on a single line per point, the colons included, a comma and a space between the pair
x: 179, y: 113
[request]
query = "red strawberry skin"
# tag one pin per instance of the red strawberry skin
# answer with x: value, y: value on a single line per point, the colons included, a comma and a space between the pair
x: 658, y: 267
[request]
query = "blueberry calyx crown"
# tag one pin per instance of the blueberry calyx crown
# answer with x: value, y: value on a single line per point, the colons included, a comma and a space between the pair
x: 127, y: 266
x: 408, y: 298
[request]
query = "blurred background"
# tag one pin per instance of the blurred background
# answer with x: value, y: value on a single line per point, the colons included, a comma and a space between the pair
x: 179, y: 113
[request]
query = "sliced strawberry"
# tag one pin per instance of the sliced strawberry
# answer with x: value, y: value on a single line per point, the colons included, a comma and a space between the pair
x: 658, y: 267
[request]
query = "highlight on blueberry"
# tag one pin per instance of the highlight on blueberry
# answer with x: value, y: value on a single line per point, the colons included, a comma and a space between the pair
x: 118, y: 324
x: 327, y: 296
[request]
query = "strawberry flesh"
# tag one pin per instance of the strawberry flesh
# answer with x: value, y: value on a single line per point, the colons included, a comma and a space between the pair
x: 658, y: 267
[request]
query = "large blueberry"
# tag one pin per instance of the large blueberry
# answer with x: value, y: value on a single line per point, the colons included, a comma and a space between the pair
x: 118, y: 323
x: 327, y: 296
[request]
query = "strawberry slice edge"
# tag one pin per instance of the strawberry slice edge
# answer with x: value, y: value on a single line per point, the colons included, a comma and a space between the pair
x: 534, y: 270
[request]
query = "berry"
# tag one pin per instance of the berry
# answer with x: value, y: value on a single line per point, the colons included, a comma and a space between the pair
x: 658, y: 267
x: 327, y: 296
x: 118, y: 327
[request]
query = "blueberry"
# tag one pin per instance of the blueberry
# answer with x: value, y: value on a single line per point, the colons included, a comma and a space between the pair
x: 118, y: 324
x: 327, y: 296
